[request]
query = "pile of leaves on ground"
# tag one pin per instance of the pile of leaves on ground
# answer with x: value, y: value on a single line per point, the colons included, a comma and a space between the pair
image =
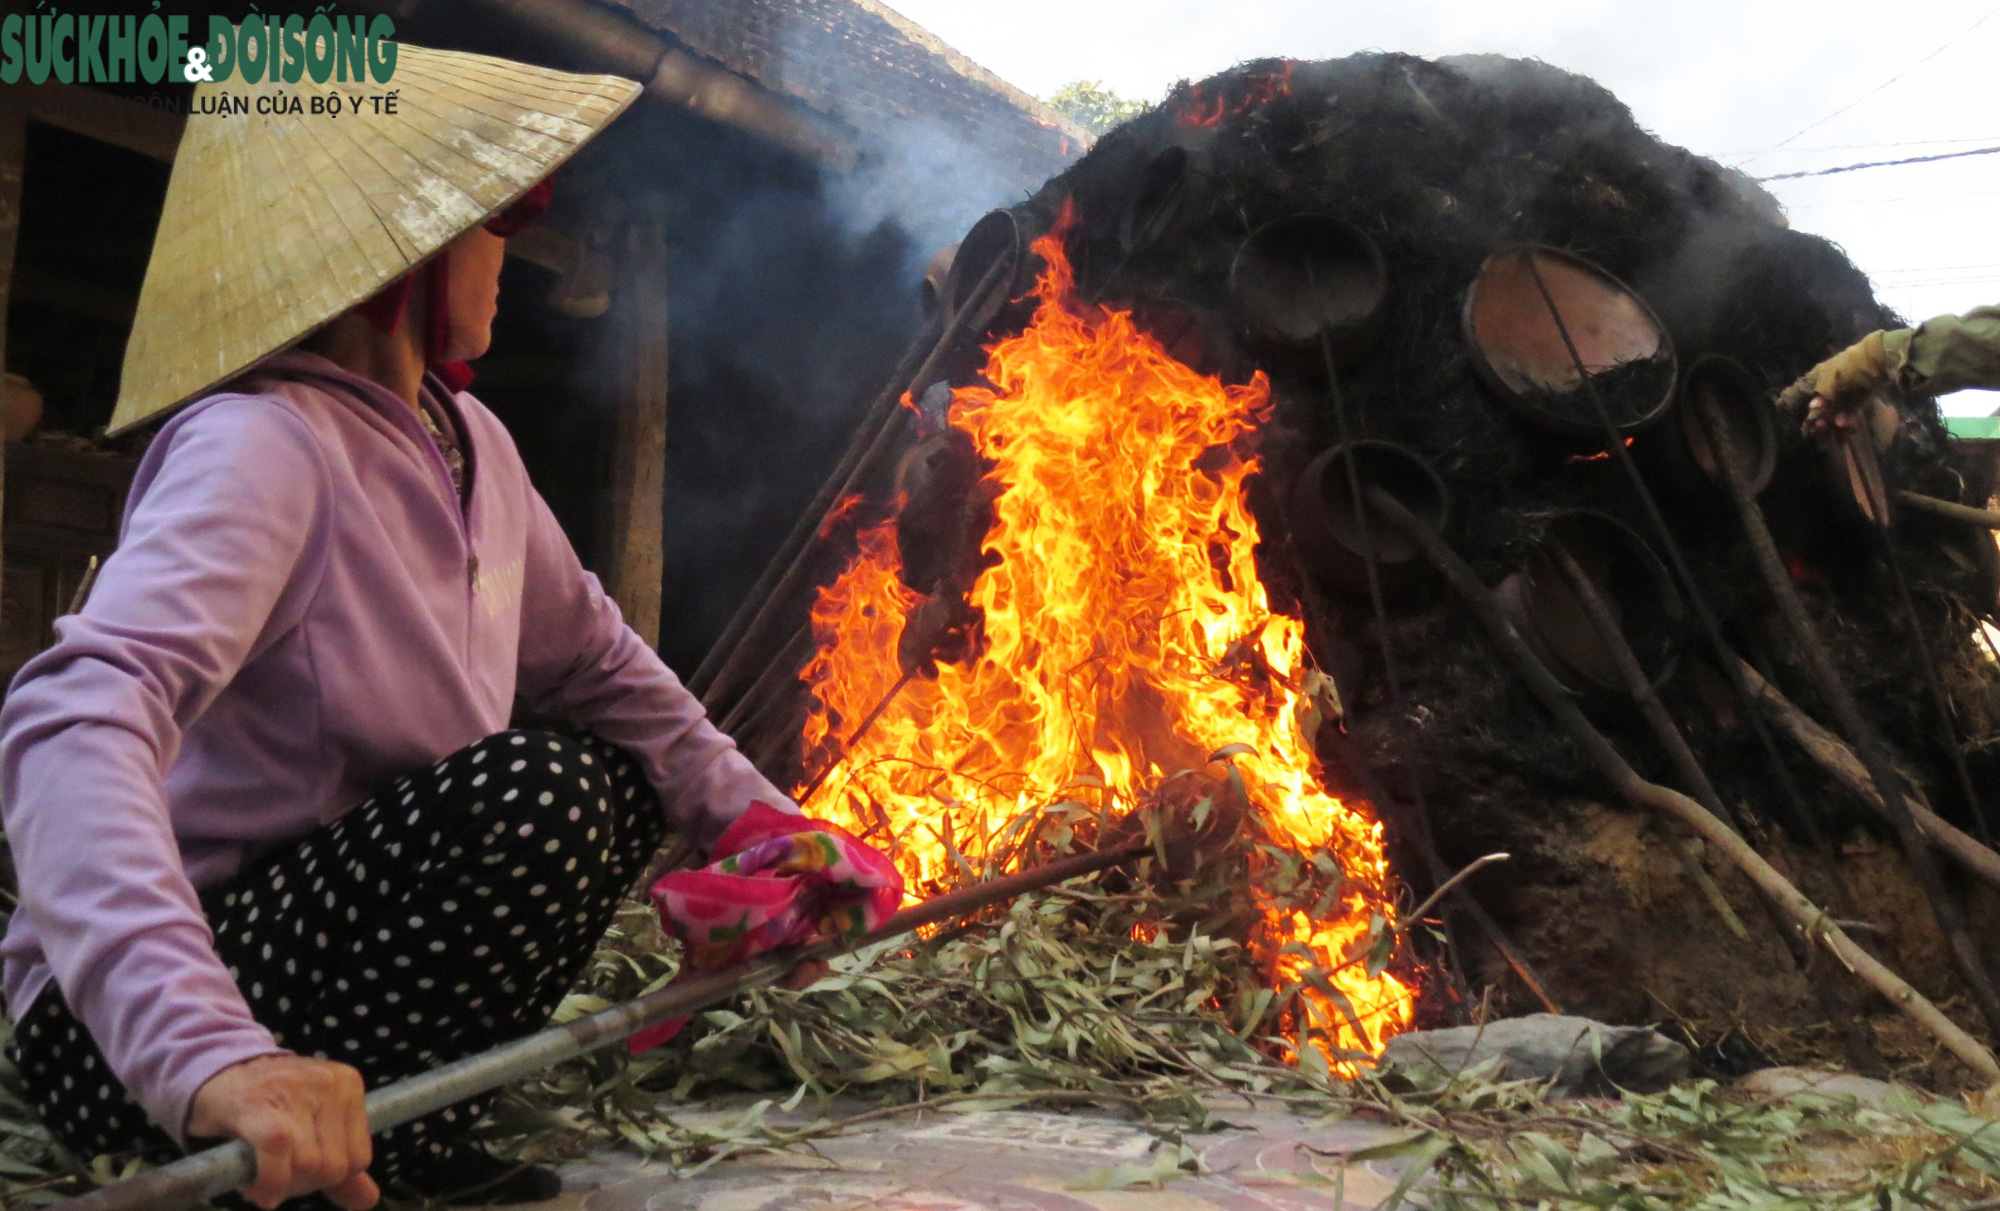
x: 1030, y: 1007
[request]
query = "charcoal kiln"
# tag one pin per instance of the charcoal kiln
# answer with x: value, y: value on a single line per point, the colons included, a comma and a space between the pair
x: 1478, y: 285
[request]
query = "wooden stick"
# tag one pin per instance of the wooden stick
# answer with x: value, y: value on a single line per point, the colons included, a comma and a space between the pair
x: 784, y: 667
x: 1416, y: 914
x: 1833, y: 999
x: 1840, y: 763
x: 807, y: 527
x: 1813, y: 923
x: 1640, y: 687
x: 1868, y: 744
x: 1986, y: 518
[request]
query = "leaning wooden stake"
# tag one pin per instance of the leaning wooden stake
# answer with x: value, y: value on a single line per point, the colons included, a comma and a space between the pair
x: 1984, y: 518
x: 1840, y: 763
x: 1859, y: 731
x: 809, y: 522
x: 1833, y: 998
x: 1812, y: 923
x: 1654, y: 711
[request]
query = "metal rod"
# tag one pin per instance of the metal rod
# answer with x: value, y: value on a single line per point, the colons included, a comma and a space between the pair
x: 206, y: 1174
x: 1421, y: 817
x: 854, y: 738
x: 1711, y: 626
x: 1833, y: 1000
x: 1868, y: 745
x: 1940, y: 697
x: 83, y: 587
x: 799, y: 570
x: 1812, y: 921
x: 1985, y: 518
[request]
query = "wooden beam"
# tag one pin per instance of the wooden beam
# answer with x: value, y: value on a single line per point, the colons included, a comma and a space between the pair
x: 630, y: 559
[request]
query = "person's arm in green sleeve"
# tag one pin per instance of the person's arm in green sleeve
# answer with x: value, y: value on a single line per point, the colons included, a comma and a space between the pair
x: 1942, y: 355
x: 1949, y: 353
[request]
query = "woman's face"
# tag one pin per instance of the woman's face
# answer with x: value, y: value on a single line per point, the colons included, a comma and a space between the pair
x: 473, y: 296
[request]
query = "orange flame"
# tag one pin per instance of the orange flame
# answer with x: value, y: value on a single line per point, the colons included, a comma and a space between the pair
x: 1207, y: 111
x: 1121, y: 607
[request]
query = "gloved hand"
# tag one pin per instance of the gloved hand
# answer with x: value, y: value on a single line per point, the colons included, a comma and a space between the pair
x: 1835, y: 390
x: 776, y: 880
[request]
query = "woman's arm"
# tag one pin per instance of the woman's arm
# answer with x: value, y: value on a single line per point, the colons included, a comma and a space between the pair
x: 213, y: 562
x: 580, y: 661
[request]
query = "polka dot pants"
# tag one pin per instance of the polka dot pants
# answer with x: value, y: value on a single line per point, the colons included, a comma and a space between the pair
x: 447, y: 914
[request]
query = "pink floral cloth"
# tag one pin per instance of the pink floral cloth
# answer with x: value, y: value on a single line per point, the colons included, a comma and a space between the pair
x: 777, y: 880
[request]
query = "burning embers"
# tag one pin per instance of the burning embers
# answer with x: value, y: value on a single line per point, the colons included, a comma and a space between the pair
x: 1114, y: 645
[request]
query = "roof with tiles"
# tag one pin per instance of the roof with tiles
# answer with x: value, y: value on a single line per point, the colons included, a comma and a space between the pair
x: 874, y: 69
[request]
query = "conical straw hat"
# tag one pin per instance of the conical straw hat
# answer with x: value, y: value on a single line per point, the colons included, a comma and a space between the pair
x: 274, y: 225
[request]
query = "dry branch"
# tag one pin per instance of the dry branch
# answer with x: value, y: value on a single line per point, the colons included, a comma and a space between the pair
x: 1840, y: 763
x: 1812, y: 922
x: 1985, y: 518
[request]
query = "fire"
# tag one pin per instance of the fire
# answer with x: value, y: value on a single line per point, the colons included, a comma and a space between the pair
x: 1126, y: 636
x: 1206, y: 111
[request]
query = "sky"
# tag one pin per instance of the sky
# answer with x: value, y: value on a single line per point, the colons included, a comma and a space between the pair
x: 1771, y: 86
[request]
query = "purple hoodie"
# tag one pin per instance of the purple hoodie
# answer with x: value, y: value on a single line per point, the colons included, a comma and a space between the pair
x: 299, y: 610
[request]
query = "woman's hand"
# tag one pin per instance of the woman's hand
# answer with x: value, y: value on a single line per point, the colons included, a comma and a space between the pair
x: 305, y: 1118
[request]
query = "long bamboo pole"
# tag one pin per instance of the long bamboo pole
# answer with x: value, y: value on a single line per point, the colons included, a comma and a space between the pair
x: 206, y: 1174
x: 1813, y: 923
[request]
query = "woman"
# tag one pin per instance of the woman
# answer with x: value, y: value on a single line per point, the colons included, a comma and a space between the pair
x: 276, y: 843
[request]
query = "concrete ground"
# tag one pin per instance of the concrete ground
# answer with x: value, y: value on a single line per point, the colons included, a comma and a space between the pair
x: 1266, y: 1159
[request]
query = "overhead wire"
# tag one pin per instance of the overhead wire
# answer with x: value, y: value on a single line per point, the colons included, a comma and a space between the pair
x: 1805, y: 151
x: 1828, y: 172
x: 1949, y: 43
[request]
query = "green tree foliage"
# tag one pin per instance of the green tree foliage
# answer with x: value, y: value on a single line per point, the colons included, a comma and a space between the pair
x: 1094, y: 107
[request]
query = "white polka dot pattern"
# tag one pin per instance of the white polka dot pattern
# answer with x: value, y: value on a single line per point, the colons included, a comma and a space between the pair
x: 547, y: 861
